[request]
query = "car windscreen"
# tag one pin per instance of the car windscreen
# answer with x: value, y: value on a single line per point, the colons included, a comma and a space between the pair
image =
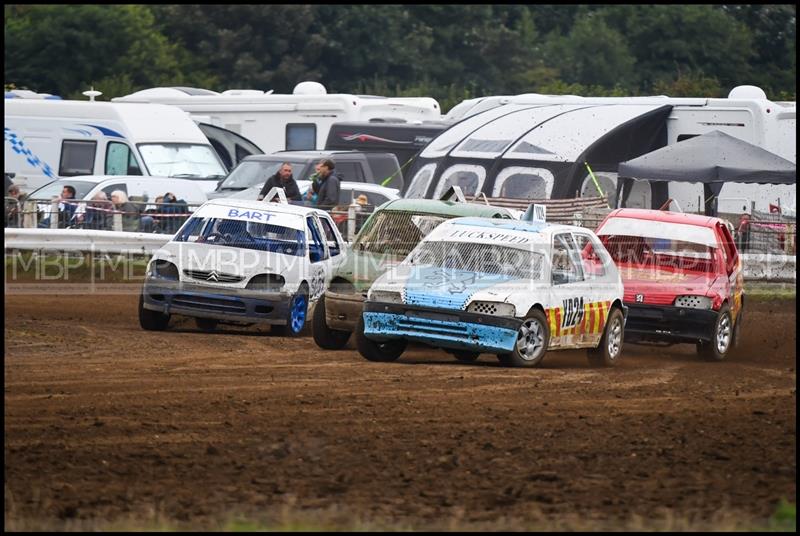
x: 183, y: 160
x: 663, y: 244
x: 53, y: 189
x: 396, y: 232
x: 243, y: 234
x: 250, y: 173
x: 492, y: 259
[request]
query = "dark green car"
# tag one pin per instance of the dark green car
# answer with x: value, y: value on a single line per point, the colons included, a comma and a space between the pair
x: 386, y: 238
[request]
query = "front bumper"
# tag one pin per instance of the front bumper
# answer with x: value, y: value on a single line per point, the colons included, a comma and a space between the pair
x: 342, y: 310
x: 670, y: 324
x: 444, y: 328
x: 227, y: 304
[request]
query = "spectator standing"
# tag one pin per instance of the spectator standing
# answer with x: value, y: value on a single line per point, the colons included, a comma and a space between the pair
x: 130, y: 212
x: 66, y: 208
x: 327, y: 185
x: 14, y: 200
x: 98, y: 213
x: 283, y: 178
x: 175, y: 210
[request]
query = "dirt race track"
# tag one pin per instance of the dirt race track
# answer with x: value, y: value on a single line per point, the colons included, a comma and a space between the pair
x: 105, y: 422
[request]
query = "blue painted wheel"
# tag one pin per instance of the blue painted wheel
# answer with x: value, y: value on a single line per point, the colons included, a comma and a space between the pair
x: 297, y: 314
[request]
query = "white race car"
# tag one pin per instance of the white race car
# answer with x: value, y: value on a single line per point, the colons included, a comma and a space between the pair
x: 243, y: 261
x: 511, y: 288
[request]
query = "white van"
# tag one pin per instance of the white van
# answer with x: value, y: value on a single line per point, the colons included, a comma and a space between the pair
x: 277, y: 122
x: 50, y: 139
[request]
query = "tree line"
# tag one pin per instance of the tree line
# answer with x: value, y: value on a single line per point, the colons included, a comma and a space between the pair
x: 447, y: 52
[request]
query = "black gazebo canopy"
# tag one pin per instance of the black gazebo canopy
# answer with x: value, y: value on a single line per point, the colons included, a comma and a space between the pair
x: 712, y: 159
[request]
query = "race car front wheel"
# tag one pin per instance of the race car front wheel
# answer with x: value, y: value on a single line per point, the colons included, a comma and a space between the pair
x: 610, y: 347
x: 296, y: 318
x: 325, y: 337
x: 722, y: 337
x: 533, y: 338
x: 377, y: 351
x: 151, y: 320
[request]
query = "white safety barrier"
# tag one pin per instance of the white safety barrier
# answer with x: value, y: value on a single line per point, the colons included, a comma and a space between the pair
x: 757, y: 266
x: 769, y: 267
x: 82, y: 240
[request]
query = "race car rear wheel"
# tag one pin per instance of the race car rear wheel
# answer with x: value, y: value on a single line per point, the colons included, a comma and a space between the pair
x: 608, y: 351
x: 325, y: 337
x: 151, y: 320
x: 466, y: 356
x: 296, y: 318
x: 722, y: 336
x: 377, y: 351
x: 206, y: 324
x: 533, y: 338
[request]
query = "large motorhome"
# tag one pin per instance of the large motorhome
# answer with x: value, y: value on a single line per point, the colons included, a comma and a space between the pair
x: 278, y: 122
x: 50, y: 139
x: 537, y: 146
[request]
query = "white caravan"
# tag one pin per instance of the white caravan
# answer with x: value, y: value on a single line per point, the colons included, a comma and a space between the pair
x: 535, y: 146
x: 277, y: 122
x: 50, y: 139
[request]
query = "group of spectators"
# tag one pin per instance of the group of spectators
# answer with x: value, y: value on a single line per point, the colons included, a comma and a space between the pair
x: 325, y: 185
x: 98, y: 212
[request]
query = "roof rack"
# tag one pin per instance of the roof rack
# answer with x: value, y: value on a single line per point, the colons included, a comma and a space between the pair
x: 276, y: 191
x: 454, y: 193
x: 535, y: 212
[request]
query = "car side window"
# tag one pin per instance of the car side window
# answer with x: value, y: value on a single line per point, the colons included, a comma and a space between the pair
x: 316, y: 248
x: 566, y: 266
x: 117, y: 186
x: 591, y: 260
x: 333, y: 244
x: 350, y: 171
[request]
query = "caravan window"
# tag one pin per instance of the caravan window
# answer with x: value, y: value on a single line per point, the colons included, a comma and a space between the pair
x: 468, y: 177
x: 77, y: 158
x: 608, y: 185
x: 523, y: 183
x: 419, y: 184
x: 301, y: 137
x: 120, y: 160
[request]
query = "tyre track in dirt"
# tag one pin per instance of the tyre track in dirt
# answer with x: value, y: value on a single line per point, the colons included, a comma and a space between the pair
x: 105, y: 421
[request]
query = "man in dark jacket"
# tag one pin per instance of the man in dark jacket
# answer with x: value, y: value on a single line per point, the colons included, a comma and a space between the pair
x: 282, y: 179
x: 326, y: 186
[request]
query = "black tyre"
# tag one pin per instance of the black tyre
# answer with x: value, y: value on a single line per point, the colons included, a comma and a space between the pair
x: 610, y: 348
x: 377, y: 351
x: 151, y: 320
x: 206, y: 324
x: 533, y: 338
x: 719, y: 346
x: 296, y: 317
x: 325, y: 337
x: 466, y: 356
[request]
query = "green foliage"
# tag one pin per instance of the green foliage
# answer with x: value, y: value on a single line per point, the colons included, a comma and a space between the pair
x: 449, y: 52
x: 785, y: 517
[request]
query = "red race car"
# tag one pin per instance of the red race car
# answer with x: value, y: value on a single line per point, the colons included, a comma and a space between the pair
x: 682, y: 276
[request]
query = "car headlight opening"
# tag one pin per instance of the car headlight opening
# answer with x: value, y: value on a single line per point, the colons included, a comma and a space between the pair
x: 492, y: 308
x: 164, y: 269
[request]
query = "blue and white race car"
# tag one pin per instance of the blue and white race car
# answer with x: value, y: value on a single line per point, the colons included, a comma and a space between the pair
x: 514, y: 289
x: 243, y: 262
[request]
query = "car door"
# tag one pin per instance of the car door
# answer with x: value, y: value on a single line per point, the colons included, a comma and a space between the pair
x: 318, y: 256
x: 570, y: 293
x: 602, y: 286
